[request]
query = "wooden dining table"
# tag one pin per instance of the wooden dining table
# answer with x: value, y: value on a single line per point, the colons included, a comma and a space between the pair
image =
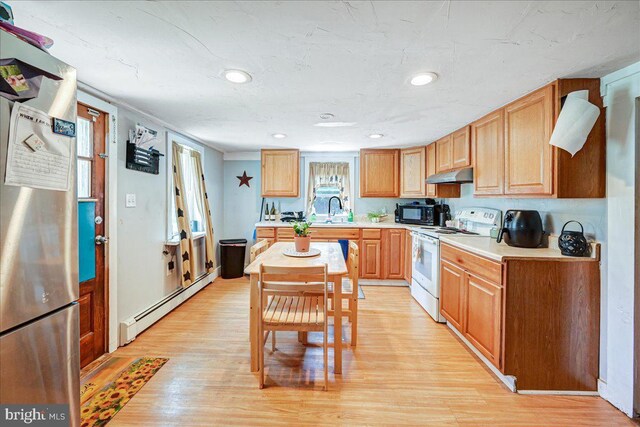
x: 331, y: 255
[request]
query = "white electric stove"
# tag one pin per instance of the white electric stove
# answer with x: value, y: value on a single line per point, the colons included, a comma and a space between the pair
x: 425, y: 271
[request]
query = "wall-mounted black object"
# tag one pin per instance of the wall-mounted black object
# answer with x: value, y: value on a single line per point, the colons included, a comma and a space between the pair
x: 522, y: 229
x: 573, y: 243
x: 140, y: 159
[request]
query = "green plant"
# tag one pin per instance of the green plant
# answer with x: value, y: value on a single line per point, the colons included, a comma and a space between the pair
x: 301, y: 229
x: 372, y: 215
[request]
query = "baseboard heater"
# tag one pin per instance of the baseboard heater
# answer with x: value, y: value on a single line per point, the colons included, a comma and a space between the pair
x: 131, y: 327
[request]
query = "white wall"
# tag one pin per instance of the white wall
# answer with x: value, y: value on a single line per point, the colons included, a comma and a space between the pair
x: 620, y: 90
x: 142, y: 279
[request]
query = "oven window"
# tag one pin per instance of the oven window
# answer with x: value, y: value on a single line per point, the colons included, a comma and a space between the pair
x: 411, y: 214
x: 424, y: 262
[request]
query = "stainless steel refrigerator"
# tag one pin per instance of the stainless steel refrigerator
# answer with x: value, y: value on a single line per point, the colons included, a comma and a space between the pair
x: 39, y: 320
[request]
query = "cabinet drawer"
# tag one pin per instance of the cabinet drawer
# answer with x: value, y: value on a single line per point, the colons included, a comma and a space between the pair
x: 265, y: 232
x: 284, y: 232
x: 371, y: 233
x: 475, y: 264
x: 335, y: 233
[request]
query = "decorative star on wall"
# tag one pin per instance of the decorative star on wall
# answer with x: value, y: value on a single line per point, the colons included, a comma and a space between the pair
x: 244, y: 179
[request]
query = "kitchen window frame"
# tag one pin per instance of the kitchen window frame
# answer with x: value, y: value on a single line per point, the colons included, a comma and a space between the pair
x: 324, y: 158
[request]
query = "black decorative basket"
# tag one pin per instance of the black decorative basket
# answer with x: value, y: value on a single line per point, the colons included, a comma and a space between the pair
x: 573, y: 243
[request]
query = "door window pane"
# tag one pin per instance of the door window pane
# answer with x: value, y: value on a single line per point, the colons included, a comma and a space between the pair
x: 85, y: 138
x: 84, y: 178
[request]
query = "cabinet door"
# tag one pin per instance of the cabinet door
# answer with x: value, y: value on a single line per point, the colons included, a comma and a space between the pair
x: 412, y: 172
x: 370, y: 268
x: 452, y: 293
x: 444, y: 153
x: 528, y: 155
x: 379, y: 173
x: 438, y: 190
x: 483, y: 316
x: 393, y: 253
x: 461, y: 148
x: 431, y: 161
x: 280, y: 173
x: 487, y: 136
x: 408, y: 255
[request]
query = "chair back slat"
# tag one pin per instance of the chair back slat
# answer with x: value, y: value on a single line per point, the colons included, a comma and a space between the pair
x: 257, y: 249
x: 293, y: 280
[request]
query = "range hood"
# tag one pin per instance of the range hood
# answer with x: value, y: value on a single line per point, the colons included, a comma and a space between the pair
x: 459, y: 176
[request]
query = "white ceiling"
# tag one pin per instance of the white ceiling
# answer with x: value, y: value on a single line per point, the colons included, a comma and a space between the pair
x: 352, y: 59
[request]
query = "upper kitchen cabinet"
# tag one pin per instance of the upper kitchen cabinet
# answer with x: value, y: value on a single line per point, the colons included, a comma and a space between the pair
x: 528, y: 124
x: 488, y: 154
x: 280, y: 173
x: 444, y: 153
x: 438, y: 190
x: 413, y: 172
x: 379, y: 173
x: 454, y: 151
x: 461, y: 148
x: 512, y: 155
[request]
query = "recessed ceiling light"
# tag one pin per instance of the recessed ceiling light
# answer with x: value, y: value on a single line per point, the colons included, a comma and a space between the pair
x: 326, y: 116
x: 279, y: 135
x: 334, y: 124
x: 237, y: 76
x: 423, y: 79
x: 376, y: 136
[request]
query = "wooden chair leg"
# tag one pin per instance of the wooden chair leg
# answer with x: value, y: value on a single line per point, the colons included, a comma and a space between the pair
x: 354, y: 322
x: 325, y: 355
x: 305, y: 338
x: 273, y: 341
x: 261, y: 362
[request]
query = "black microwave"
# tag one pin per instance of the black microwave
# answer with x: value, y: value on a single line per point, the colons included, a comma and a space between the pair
x: 418, y: 214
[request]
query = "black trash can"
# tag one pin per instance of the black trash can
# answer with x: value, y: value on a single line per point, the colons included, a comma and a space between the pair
x: 232, y: 257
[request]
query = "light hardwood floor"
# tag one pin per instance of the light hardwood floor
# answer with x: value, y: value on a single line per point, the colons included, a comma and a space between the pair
x: 406, y: 369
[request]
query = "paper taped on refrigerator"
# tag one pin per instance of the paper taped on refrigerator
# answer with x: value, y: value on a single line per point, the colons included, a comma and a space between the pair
x: 36, y: 156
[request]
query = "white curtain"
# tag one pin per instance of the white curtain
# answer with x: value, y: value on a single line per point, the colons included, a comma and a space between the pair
x: 329, y: 174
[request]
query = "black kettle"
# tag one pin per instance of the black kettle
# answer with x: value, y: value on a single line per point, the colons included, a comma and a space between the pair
x: 573, y: 243
x: 522, y: 229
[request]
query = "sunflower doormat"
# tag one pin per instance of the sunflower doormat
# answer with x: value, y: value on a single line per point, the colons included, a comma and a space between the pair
x: 109, y: 387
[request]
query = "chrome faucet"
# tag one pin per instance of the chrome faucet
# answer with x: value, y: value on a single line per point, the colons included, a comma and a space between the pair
x: 329, y: 207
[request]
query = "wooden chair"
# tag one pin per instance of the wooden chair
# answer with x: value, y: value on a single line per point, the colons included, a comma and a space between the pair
x: 297, y: 301
x: 350, y: 291
x: 257, y: 249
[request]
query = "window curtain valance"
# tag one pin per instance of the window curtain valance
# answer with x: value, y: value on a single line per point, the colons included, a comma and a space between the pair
x: 329, y: 174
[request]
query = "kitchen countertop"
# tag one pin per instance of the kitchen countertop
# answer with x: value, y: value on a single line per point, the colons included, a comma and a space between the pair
x: 355, y: 224
x: 483, y: 246
x: 488, y: 247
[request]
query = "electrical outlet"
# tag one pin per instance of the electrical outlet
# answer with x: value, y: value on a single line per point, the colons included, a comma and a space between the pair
x: 170, y: 266
x: 130, y: 200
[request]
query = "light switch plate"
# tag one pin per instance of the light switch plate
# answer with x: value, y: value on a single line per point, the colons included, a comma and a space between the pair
x: 130, y: 200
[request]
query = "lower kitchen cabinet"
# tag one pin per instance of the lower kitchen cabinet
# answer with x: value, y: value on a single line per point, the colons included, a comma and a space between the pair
x: 385, y: 253
x: 370, y: 252
x: 483, y: 316
x: 393, y: 254
x: 536, y: 319
x: 408, y: 255
x: 452, y: 293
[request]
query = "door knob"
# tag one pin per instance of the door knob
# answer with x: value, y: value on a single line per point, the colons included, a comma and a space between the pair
x: 101, y: 239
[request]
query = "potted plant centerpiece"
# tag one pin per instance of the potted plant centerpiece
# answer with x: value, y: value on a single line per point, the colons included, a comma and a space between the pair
x: 302, y: 236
